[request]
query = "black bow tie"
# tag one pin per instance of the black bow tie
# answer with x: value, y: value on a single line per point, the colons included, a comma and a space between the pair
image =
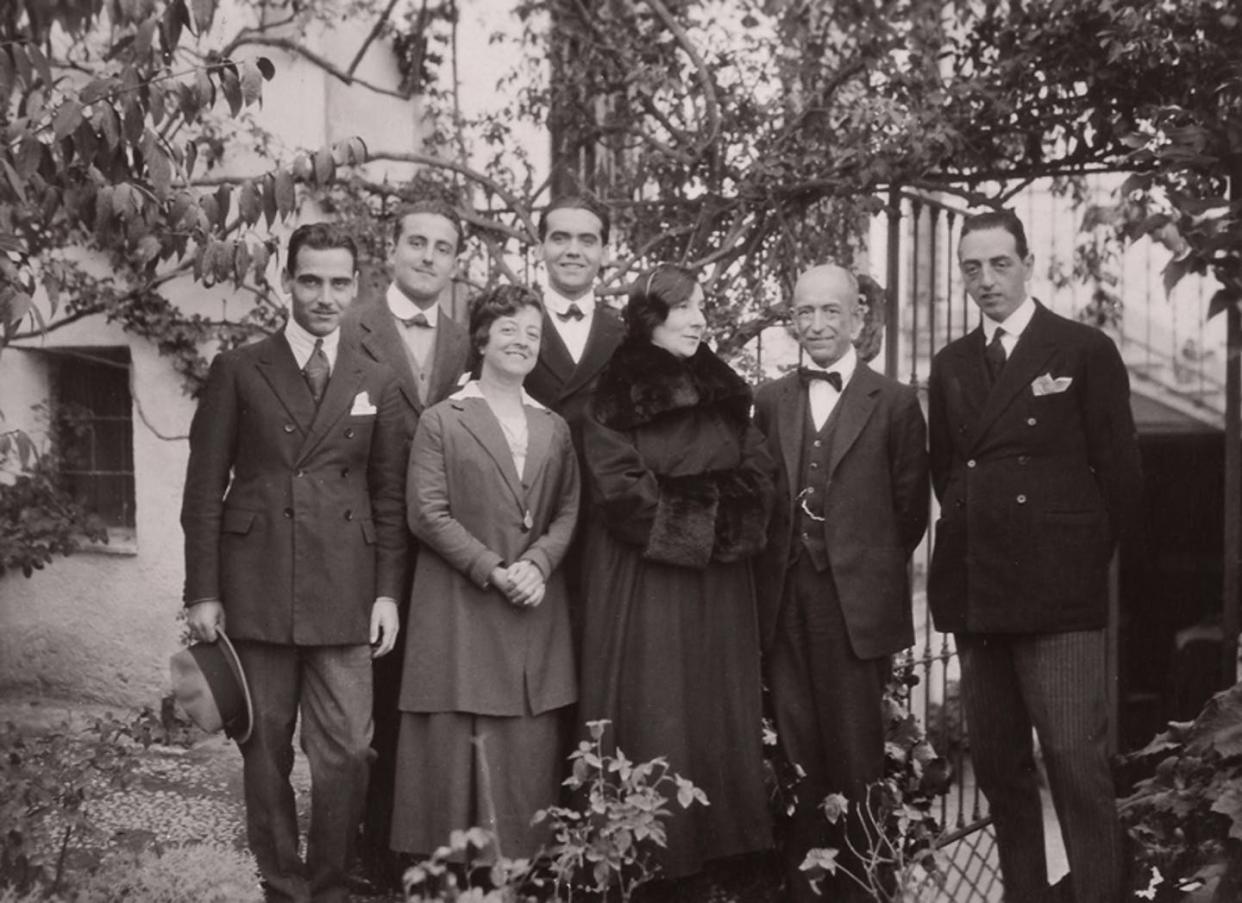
x: 832, y: 377
x: 419, y: 320
x: 573, y: 312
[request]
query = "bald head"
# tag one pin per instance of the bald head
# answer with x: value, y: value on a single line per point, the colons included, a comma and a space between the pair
x: 826, y: 315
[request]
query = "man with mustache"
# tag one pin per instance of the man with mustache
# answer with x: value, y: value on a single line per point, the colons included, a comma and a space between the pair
x: 834, y: 594
x: 295, y: 541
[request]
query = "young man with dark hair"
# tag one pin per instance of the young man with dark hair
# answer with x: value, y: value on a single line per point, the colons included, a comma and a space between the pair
x: 1035, y: 460
x: 295, y: 539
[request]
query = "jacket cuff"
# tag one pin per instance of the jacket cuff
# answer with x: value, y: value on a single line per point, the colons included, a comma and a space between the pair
x: 481, y: 569
x: 539, y: 559
x: 742, y: 521
x: 684, y: 530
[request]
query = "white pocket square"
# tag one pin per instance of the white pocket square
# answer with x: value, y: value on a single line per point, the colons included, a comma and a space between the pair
x: 362, y: 405
x: 1047, y: 385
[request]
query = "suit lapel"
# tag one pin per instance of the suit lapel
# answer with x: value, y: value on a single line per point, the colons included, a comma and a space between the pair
x: 554, y: 356
x: 791, y: 421
x: 853, y: 410
x: 278, y: 366
x: 1034, y: 348
x: 344, y: 384
x: 480, y: 422
x: 599, y: 345
x: 380, y: 325
x: 449, y: 348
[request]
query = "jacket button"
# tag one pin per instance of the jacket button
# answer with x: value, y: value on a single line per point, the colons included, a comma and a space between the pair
x: 1021, y: 499
x: 288, y: 513
x: 1031, y: 421
x: 349, y: 515
x: 1024, y: 459
x: 959, y: 503
x: 349, y: 432
x: 289, y: 427
x: 300, y: 472
x: 814, y: 465
x: 817, y: 443
x: 344, y: 471
x: 971, y: 463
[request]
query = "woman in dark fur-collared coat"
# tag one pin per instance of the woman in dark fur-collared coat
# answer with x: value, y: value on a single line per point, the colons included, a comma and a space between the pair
x: 681, y: 492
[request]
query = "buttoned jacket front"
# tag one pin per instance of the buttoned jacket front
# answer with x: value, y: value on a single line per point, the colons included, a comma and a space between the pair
x: 294, y: 515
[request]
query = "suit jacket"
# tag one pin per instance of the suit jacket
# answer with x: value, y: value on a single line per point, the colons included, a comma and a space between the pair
x: 875, y: 511
x: 372, y: 324
x: 294, y: 516
x: 563, y: 386
x: 1033, y: 489
x: 468, y: 649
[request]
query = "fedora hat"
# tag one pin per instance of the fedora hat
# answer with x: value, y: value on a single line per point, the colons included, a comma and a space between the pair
x: 210, y: 685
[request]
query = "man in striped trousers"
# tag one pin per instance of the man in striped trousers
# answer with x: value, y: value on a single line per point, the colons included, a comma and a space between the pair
x: 1035, y: 461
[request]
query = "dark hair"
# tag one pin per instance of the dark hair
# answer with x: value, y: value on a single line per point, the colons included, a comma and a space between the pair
x: 577, y: 202
x: 429, y: 205
x: 321, y: 237
x: 653, y: 295
x: 501, y: 301
x: 998, y: 219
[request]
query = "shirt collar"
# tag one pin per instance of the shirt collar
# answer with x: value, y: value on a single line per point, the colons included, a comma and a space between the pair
x: 472, y: 390
x: 557, y: 303
x: 303, y: 343
x: 1014, y: 324
x: 403, y: 308
x: 845, y: 365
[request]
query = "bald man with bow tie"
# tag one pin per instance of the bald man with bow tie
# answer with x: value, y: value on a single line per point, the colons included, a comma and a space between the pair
x: 834, y: 598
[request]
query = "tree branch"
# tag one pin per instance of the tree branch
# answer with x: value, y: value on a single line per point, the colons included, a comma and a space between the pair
x: 375, y: 33
x: 709, y: 90
x: 323, y: 63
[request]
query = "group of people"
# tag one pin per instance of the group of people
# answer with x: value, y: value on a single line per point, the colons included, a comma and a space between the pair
x: 449, y: 549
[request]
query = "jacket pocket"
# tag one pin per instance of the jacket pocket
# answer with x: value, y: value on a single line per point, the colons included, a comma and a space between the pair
x: 368, y: 530
x: 237, y: 521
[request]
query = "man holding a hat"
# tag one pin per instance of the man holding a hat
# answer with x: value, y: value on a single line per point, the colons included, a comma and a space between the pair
x: 294, y: 518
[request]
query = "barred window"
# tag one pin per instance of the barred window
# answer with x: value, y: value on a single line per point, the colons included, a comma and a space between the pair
x: 95, y: 430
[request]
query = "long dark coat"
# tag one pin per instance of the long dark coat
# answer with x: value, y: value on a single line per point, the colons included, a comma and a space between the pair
x: 682, y: 491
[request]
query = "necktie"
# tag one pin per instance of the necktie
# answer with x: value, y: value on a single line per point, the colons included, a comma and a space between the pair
x: 832, y: 377
x: 419, y: 320
x: 573, y: 312
x: 317, y: 371
x: 994, y: 354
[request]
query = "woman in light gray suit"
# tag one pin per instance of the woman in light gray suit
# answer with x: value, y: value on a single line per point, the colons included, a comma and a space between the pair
x: 493, y: 497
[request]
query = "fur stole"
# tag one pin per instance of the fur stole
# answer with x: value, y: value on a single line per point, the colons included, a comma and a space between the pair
x: 643, y: 381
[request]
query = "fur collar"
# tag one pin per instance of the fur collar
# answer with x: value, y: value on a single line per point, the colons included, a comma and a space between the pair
x: 642, y: 381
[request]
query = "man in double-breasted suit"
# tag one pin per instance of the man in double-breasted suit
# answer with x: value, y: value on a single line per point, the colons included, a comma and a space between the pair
x: 834, y: 595
x: 295, y: 545
x: 1035, y: 462
x: 428, y: 350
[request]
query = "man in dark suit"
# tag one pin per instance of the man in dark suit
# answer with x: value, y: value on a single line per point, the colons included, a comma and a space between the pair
x: 579, y: 332
x: 1035, y: 463
x: 834, y: 595
x: 408, y: 330
x: 294, y: 522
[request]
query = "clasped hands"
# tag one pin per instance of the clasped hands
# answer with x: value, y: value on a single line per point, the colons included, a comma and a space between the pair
x: 521, y: 582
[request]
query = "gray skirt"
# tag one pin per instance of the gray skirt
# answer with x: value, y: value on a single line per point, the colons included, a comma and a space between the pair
x: 444, y: 779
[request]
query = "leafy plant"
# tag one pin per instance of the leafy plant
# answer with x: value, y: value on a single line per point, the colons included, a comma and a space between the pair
x: 900, y: 860
x: 1185, y: 818
x: 600, y: 848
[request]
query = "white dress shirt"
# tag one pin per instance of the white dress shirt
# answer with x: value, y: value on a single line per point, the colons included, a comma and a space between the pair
x: 1014, y: 325
x: 421, y: 340
x: 302, y: 344
x: 573, y: 333
x: 822, y: 395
